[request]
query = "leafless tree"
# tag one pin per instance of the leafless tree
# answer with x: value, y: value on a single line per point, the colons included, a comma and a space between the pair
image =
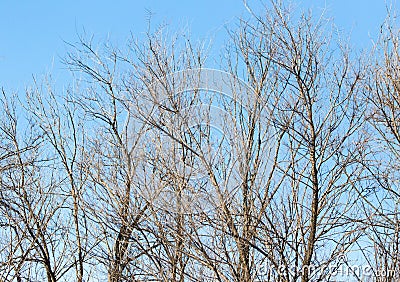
x: 32, y: 217
x: 381, y: 196
x: 295, y: 216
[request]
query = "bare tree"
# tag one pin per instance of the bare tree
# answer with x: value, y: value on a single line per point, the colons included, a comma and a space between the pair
x: 32, y: 218
x: 381, y: 196
x: 295, y: 216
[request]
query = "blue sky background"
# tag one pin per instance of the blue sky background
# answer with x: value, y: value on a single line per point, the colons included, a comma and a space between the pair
x: 33, y: 33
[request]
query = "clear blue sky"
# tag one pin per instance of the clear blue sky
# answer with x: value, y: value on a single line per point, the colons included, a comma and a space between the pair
x: 33, y: 32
